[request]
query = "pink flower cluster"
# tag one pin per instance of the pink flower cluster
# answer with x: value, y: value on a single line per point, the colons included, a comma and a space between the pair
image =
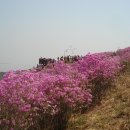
x: 100, y: 65
x: 25, y: 96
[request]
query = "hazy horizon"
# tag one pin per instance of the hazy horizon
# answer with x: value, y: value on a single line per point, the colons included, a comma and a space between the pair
x: 31, y: 29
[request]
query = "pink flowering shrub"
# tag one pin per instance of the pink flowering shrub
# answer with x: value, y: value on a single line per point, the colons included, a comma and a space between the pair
x: 68, y: 70
x: 100, y: 70
x: 96, y: 70
x: 27, y: 97
x: 45, y: 99
x: 98, y: 65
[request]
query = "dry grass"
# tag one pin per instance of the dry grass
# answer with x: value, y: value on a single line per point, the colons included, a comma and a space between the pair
x: 112, y: 114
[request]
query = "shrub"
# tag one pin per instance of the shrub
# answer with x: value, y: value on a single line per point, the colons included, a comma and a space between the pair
x: 27, y: 98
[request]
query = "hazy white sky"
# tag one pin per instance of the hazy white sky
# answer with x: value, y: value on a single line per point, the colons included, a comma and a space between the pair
x: 30, y: 29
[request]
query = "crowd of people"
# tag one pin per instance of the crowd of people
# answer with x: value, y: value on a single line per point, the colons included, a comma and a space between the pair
x: 48, y: 61
x: 69, y: 59
x: 44, y: 62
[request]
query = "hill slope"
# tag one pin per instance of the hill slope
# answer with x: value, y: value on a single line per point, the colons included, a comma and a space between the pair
x: 112, y: 114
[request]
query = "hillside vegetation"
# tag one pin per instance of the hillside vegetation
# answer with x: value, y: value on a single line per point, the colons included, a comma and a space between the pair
x: 113, y: 113
x: 90, y: 93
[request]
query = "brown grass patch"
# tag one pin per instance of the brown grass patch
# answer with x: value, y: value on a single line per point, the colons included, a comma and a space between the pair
x: 113, y: 113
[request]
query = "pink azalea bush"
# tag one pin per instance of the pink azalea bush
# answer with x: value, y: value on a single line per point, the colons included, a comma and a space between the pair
x: 98, y: 65
x: 100, y: 70
x: 31, y: 99
x: 26, y: 96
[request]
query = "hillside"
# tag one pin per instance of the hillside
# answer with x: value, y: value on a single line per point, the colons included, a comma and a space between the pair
x: 112, y: 114
x: 92, y: 93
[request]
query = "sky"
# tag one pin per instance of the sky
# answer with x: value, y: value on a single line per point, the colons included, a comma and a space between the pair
x: 30, y: 29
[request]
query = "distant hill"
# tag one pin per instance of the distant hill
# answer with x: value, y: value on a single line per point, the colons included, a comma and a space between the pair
x: 1, y: 74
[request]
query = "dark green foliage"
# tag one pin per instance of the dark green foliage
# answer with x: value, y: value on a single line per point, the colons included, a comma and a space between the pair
x: 1, y: 75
